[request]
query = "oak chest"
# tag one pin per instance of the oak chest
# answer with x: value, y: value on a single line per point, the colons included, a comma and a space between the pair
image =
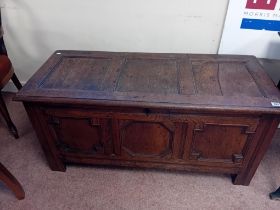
x: 173, y: 111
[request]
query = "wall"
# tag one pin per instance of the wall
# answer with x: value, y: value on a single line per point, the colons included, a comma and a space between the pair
x: 34, y: 29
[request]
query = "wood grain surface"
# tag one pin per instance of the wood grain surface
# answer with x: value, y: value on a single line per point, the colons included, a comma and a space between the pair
x: 210, y: 113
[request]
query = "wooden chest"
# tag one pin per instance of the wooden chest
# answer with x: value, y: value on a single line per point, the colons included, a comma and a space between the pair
x: 173, y: 111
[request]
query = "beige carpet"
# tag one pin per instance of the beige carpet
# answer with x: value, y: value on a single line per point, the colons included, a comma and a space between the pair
x: 104, y: 188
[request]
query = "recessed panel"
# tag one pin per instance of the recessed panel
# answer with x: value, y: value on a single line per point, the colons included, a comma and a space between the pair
x: 146, y: 139
x: 78, y: 135
x: 219, y: 142
x: 78, y: 74
x: 149, y: 75
x: 236, y: 80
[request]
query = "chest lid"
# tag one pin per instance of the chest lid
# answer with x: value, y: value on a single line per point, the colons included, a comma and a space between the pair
x: 153, y: 80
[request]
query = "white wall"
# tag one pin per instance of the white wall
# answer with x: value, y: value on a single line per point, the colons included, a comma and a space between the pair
x: 34, y: 29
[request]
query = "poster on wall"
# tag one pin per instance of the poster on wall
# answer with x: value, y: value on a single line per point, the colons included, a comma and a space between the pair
x: 251, y: 28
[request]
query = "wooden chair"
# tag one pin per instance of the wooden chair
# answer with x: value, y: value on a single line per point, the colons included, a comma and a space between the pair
x: 11, y: 182
x: 7, y: 73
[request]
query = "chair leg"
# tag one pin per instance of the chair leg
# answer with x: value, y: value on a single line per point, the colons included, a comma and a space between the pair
x: 275, y: 195
x: 16, y: 81
x: 5, y: 113
x: 11, y: 182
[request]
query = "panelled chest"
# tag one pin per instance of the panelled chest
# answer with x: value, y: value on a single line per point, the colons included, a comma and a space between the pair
x: 173, y: 111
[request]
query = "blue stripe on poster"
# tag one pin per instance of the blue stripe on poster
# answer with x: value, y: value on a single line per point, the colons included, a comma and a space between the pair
x: 258, y: 24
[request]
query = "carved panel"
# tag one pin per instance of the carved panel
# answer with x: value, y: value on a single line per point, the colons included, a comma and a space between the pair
x: 220, y: 142
x: 146, y: 139
x: 78, y: 135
